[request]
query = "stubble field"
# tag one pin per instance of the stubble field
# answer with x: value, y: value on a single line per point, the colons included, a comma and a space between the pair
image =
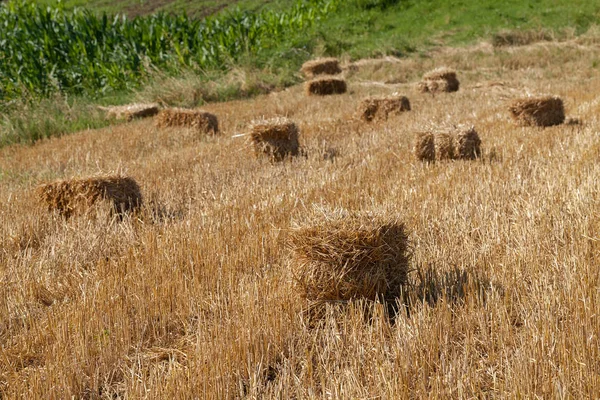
x: 193, y: 297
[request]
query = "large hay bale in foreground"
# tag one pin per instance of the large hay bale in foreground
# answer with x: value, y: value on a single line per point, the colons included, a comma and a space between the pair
x: 321, y: 66
x: 131, y: 111
x: 325, y: 86
x: 447, y: 143
x: 340, y: 256
x: 439, y: 80
x: 276, y: 138
x: 77, y: 196
x: 199, y: 120
x: 538, y: 111
x: 375, y: 108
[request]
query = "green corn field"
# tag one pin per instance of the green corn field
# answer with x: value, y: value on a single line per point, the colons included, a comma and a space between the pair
x: 45, y: 49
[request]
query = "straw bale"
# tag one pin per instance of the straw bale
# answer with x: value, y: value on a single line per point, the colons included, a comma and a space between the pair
x: 447, y: 143
x: 439, y: 80
x: 340, y: 256
x: 199, y: 120
x: 468, y: 143
x: 325, y: 86
x: 424, y: 146
x: 321, y: 66
x: 77, y: 196
x: 276, y: 138
x: 382, y: 107
x: 132, y: 111
x: 538, y: 111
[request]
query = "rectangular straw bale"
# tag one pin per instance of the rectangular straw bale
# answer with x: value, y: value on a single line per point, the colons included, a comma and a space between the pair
x: 376, y: 108
x: 338, y: 255
x: 77, y: 196
x: 321, y: 66
x: 447, y: 143
x: 537, y: 111
x: 131, y: 111
x: 325, y: 86
x: 275, y: 138
x: 439, y: 80
x: 199, y: 120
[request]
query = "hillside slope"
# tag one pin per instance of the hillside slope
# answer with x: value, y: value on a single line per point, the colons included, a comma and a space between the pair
x: 194, y: 298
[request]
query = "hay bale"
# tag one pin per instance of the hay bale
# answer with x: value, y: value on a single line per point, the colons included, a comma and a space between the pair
x: 77, y: 196
x: 199, y: 120
x: 424, y: 146
x: 468, y: 143
x: 382, y: 107
x: 276, y: 138
x: 447, y: 143
x: 341, y: 256
x: 321, y: 66
x: 325, y: 86
x: 131, y: 111
x: 538, y: 111
x: 439, y: 80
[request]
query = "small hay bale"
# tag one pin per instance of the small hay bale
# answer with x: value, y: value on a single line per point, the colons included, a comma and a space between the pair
x: 321, y: 66
x: 131, y: 111
x: 538, y: 111
x: 468, y: 143
x: 276, y: 138
x: 448, y: 143
x: 342, y: 256
x: 199, y: 120
x: 439, y: 80
x: 424, y: 146
x: 77, y: 196
x: 444, y: 146
x: 325, y: 86
x: 382, y: 107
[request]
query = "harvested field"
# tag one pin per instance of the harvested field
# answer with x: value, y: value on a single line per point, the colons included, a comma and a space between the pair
x: 193, y: 297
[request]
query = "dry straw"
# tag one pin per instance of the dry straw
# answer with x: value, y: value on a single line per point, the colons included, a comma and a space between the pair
x: 538, y: 111
x: 439, y: 80
x: 376, y: 108
x: 276, y: 138
x: 199, y: 120
x: 77, y: 196
x: 325, y: 86
x: 337, y: 256
x: 321, y: 66
x: 447, y: 143
x: 131, y: 111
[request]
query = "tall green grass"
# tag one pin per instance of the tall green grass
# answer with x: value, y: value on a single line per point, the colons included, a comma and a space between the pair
x: 47, y: 49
